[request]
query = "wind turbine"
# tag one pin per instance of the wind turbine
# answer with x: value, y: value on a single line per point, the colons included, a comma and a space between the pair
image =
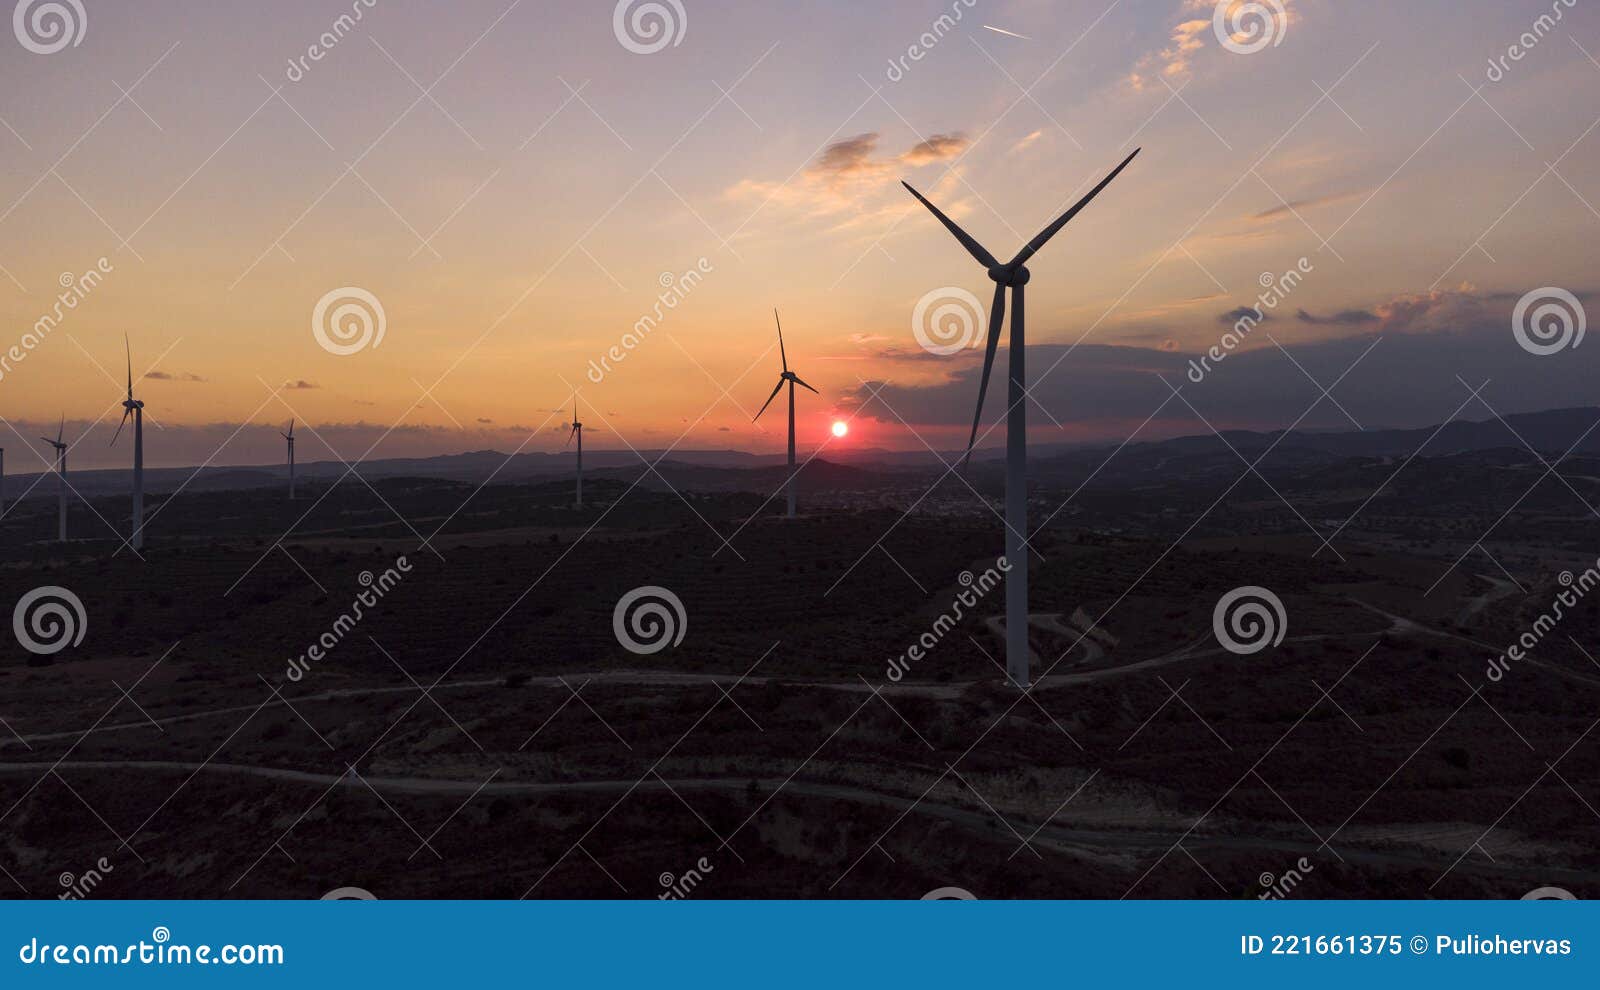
x: 61, y: 472
x: 135, y: 408
x: 290, y: 437
x: 577, y: 431
x: 793, y: 380
x: 1013, y: 275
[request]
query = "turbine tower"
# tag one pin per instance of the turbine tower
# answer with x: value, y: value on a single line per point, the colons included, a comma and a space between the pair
x: 290, y: 438
x: 1013, y: 275
x: 61, y: 473
x: 577, y: 431
x: 135, y: 408
x: 793, y: 380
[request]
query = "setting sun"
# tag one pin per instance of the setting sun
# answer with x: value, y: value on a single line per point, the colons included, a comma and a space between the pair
x: 840, y: 428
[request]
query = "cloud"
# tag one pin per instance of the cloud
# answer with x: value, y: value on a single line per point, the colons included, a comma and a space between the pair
x: 1175, y: 62
x: 938, y: 148
x: 301, y: 384
x: 1027, y: 142
x: 484, y: 421
x: 1233, y: 316
x: 1343, y: 318
x: 173, y: 376
x: 852, y: 182
x: 1294, y: 206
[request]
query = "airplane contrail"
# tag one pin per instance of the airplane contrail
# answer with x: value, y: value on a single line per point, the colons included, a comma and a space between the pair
x: 1013, y: 34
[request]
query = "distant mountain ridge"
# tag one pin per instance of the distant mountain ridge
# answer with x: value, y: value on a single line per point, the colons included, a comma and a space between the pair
x: 1551, y: 432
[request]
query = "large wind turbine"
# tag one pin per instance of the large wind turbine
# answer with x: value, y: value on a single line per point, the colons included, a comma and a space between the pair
x: 135, y: 408
x: 1013, y: 275
x: 793, y: 380
x: 577, y: 431
x: 61, y: 472
x: 290, y: 438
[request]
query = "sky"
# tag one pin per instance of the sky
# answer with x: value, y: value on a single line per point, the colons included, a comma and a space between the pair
x: 518, y: 184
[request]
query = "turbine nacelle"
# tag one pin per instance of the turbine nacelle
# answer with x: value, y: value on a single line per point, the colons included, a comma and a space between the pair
x: 1010, y: 277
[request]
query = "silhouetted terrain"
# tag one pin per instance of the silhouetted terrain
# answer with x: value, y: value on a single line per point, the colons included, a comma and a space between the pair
x: 481, y: 727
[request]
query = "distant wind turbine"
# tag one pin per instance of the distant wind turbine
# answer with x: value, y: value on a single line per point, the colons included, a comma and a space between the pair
x: 61, y: 472
x: 135, y: 408
x: 290, y: 438
x: 1013, y: 275
x: 577, y: 431
x: 793, y: 380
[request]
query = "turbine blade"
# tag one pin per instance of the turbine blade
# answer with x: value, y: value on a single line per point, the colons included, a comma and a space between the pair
x: 997, y: 317
x: 129, y: 350
x: 775, y: 390
x: 802, y: 384
x: 570, y: 436
x: 125, y: 414
x: 975, y: 249
x: 1044, y: 235
x: 781, y: 352
x: 61, y: 430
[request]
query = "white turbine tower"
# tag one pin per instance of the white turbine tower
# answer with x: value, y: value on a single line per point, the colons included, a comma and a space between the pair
x: 135, y: 408
x: 1013, y: 275
x: 290, y: 438
x: 61, y: 473
x: 793, y: 380
x: 577, y: 431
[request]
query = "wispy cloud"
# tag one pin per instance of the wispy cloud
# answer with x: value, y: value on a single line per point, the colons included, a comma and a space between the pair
x: 173, y: 376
